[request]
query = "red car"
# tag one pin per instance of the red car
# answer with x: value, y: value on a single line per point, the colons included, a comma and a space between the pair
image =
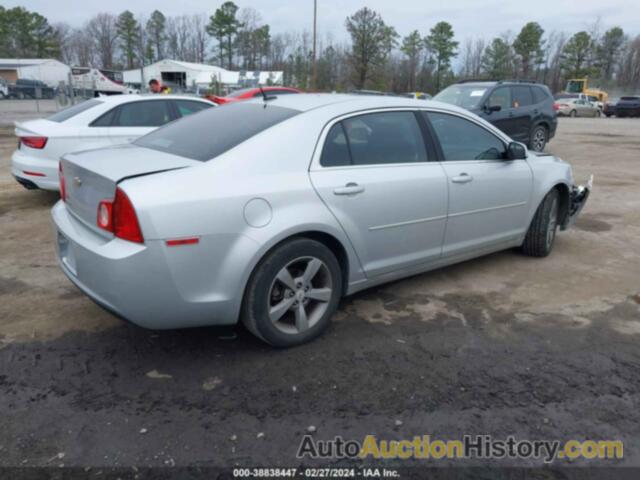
x: 248, y: 93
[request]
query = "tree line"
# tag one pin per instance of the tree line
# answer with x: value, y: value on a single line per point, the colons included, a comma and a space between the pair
x: 375, y: 56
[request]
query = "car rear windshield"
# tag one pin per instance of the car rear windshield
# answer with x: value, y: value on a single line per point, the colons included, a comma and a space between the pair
x: 207, y: 134
x: 465, y: 96
x: 67, y: 113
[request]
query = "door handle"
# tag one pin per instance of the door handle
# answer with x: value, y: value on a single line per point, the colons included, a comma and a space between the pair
x: 349, y: 189
x: 462, y: 178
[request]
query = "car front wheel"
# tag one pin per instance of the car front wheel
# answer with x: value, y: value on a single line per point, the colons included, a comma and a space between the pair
x: 542, y: 231
x: 293, y: 293
x: 538, y: 139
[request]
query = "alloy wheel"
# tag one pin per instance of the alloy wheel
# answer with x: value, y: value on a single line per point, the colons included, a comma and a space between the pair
x: 299, y: 295
x: 539, y: 140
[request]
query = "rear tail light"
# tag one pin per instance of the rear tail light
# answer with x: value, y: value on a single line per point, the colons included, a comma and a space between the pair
x: 119, y: 217
x: 63, y: 188
x: 34, y: 142
x: 556, y: 106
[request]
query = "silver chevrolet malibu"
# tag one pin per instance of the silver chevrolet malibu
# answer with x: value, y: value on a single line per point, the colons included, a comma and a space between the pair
x: 269, y: 211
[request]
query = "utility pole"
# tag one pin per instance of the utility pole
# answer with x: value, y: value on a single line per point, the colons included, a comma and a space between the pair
x: 314, y: 69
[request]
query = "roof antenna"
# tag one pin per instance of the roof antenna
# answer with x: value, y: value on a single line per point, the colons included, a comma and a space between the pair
x: 265, y: 97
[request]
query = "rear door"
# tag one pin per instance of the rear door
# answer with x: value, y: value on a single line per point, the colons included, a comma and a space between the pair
x: 134, y: 119
x: 523, y: 112
x: 380, y: 181
x: 488, y: 195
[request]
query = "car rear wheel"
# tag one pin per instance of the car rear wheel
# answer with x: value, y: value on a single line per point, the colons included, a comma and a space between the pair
x: 538, y: 139
x: 542, y: 231
x: 293, y: 293
x: 573, y: 114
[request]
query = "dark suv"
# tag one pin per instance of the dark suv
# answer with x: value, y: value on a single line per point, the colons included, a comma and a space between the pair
x: 522, y: 110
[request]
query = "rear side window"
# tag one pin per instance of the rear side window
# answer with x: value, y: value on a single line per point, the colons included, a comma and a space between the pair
x: 521, y: 96
x: 151, y: 113
x: 385, y: 138
x: 539, y: 95
x: 67, y: 113
x: 187, y: 107
x: 216, y: 130
x: 336, y: 150
x: 105, y: 120
x: 461, y: 139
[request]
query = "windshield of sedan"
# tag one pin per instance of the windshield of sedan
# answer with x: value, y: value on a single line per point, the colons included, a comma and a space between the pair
x: 211, y: 132
x: 465, y: 96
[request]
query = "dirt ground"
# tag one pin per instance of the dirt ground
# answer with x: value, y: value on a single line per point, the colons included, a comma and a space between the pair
x: 502, y: 345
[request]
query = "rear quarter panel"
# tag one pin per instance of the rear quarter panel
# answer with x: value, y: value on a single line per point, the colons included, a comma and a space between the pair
x: 210, y: 201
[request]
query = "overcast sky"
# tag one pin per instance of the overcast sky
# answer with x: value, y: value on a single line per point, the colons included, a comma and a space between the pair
x: 470, y: 18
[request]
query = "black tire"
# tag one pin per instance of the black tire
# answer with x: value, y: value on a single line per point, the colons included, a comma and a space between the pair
x: 573, y: 114
x: 544, y: 226
x: 538, y: 138
x: 259, y: 293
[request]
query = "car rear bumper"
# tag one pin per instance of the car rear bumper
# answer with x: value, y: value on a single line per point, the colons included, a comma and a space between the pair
x: 134, y: 281
x: 41, y: 172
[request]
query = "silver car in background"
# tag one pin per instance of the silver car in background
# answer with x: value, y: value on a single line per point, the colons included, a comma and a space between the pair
x: 269, y: 212
x: 577, y: 107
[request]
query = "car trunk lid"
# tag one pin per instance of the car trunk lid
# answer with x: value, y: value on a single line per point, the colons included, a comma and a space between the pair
x: 92, y: 176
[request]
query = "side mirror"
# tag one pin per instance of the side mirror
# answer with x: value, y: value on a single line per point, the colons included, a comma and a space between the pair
x: 492, y: 108
x: 516, y: 151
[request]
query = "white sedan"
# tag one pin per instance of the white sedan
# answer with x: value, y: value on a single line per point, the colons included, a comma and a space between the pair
x: 96, y: 123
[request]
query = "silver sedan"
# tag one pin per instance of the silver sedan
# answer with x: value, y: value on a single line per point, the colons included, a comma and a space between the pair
x: 269, y: 212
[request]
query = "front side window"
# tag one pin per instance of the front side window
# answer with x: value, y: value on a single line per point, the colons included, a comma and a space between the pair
x: 500, y: 97
x: 384, y: 138
x: 461, y: 139
x: 151, y: 113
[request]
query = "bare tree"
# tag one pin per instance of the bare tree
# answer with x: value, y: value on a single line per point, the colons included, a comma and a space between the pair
x: 472, y: 52
x: 102, y: 29
x: 199, y: 41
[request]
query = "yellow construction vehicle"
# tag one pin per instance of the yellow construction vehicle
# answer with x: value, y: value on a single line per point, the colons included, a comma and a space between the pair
x: 581, y: 85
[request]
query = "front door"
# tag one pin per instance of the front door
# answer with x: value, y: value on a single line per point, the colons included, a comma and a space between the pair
x: 488, y: 195
x: 390, y: 198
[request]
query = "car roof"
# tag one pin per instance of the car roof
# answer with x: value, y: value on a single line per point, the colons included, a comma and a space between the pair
x: 345, y: 103
x: 125, y: 98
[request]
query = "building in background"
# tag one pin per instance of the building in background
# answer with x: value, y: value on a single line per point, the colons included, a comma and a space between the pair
x: 46, y: 70
x: 198, y: 77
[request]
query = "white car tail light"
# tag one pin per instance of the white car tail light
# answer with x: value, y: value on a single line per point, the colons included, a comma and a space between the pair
x: 34, y: 142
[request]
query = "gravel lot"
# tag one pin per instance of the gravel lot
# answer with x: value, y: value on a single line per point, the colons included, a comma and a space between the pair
x: 502, y: 345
